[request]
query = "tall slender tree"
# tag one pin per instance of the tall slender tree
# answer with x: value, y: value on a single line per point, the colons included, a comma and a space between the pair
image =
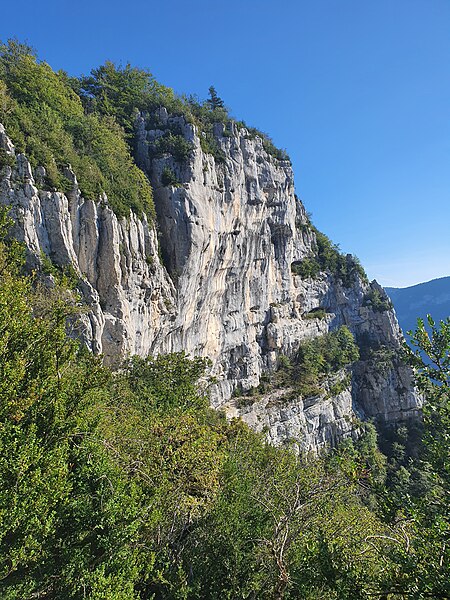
x: 214, y: 101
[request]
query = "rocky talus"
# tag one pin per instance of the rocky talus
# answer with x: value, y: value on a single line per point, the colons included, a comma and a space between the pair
x: 213, y: 277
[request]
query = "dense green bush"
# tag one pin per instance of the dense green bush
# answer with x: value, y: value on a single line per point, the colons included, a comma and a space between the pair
x: 327, y: 258
x: 122, y: 92
x: 210, y: 145
x: 307, y: 268
x: 6, y: 159
x: 172, y: 144
x: 168, y: 177
x: 46, y: 120
x: 377, y: 300
x: 319, y: 357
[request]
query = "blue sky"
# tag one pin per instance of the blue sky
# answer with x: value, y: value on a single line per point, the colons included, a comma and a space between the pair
x: 357, y: 91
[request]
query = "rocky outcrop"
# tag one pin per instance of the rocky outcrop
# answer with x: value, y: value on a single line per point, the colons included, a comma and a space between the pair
x: 305, y: 424
x: 130, y: 296
x: 229, y: 231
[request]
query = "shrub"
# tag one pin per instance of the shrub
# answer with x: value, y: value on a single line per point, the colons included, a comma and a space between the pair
x: 319, y: 357
x: 46, y: 120
x: 210, y: 145
x: 168, y: 177
x: 267, y: 142
x: 316, y: 313
x: 6, y: 159
x: 306, y: 268
x: 327, y: 258
x: 340, y: 386
x: 176, y: 145
x: 378, y: 300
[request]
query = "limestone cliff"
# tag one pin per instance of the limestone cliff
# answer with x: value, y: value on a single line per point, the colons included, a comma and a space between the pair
x: 230, y: 228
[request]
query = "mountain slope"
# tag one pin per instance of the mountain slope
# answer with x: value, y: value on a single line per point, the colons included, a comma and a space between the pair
x: 431, y: 297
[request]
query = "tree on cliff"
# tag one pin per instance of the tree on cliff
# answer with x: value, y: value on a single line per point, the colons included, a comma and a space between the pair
x: 214, y: 101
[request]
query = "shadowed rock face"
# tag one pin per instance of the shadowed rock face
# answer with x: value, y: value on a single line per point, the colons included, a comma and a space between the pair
x: 228, y: 234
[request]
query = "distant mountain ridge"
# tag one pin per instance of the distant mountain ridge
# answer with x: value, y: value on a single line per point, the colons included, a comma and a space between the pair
x: 431, y: 297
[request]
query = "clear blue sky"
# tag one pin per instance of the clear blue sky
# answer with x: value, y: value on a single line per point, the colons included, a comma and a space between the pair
x: 357, y: 91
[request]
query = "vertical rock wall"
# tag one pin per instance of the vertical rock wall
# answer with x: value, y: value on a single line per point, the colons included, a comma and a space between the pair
x: 228, y: 233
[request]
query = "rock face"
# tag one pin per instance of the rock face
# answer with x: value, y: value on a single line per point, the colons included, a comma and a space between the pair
x: 132, y: 300
x: 306, y: 424
x: 229, y: 231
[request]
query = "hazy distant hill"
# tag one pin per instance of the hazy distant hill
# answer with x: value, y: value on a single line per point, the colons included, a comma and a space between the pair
x: 432, y: 297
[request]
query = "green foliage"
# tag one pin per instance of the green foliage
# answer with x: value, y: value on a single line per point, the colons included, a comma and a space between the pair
x: 210, y: 145
x: 45, y: 379
x: 94, y: 492
x: 361, y: 457
x: 214, y: 102
x: 46, y: 120
x: 120, y: 92
x: 316, y: 313
x: 172, y: 144
x: 430, y: 358
x: 6, y: 159
x: 407, y: 476
x: 327, y: 258
x: 340, y: 386
x: 318, y: 358
x: 307, y: 268
x: 422, y: 484
x: 168, y: 177
x: 284, y: 362
x: 271, y: 149
x: 66, y: 276
x: 127, y: 485
x: 378, y: 300
x: 205, y: 114
x: 267, y: 142
x: 89, y: 123
x: 382, y: 357
x: 281, y: 527
x: 167, y: 381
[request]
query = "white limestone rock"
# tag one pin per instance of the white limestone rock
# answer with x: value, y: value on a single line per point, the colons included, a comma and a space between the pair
x: 229, y: 233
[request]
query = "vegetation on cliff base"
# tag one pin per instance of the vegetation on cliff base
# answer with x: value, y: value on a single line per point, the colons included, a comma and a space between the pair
x: 126, y: 485
x: 377, y: 300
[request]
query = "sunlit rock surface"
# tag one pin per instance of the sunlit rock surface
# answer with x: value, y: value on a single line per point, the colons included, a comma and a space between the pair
x: 213, y: 277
